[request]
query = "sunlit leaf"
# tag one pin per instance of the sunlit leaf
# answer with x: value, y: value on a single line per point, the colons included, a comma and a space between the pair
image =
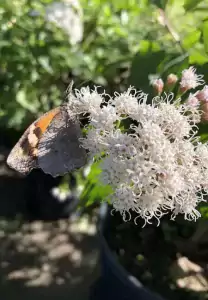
x: 94, y: 190
x: 198, y: 57
x: 191, y: 39
x: 22, y: 99
x: 44, y: 62
x: 205, y: 35
x: 191, y: 4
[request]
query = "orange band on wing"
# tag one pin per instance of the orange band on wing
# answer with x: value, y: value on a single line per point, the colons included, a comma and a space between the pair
x: 36, y: 130
x: 45, y: 121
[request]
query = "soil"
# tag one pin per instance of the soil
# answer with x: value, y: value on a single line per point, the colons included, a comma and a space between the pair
x: 152, y: 255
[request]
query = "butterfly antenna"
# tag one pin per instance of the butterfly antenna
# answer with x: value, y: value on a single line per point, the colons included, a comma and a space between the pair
x: 69, y: 89
x: 67, y: 93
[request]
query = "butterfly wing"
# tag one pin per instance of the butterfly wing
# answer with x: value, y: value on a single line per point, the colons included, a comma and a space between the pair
x: 21, y: 157
x: 59, y: 148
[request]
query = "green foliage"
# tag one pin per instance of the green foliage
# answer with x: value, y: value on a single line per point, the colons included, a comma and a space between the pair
x: 93, y: 190
x: 204, y: 210
x: 191, y: 4
x: 205, y: 35
x: 125, y: 42
x: 31, y: 62
x: 36, y: 57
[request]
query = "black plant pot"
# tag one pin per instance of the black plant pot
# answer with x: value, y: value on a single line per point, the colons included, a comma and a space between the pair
x: 115, y: 282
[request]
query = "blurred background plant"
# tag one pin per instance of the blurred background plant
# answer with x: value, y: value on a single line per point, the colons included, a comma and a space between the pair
x: 46, y: 44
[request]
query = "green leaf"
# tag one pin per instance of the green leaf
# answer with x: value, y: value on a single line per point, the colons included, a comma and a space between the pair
x: 44, y: 62
x: 191, y: 39
x: 203, y: 132
x: 94, y: 190
x: 23, y: 100
x: 175, y: 63
x: 205, y: 35
x: 198, y: 57
x: 204, y: 211
x: 191, y: 4
x: 145, y: 63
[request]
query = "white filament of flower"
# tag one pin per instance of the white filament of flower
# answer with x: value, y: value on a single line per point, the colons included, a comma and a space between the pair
x: 157, y: 163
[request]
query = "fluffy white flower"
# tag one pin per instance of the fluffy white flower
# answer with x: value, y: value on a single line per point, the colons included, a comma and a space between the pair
x: 113, y: 171
x: 202, y: 155
x: 173, y: 122
x: 94, y: 142
x: 104, y: 118
x: 126, y: 102
x: 144, y: 112
x: 192, y: 100
x: 68, y: 16
x: 85, y: 101
x: 190, y: 80
x: 150, y: 154
x: 124, y: 200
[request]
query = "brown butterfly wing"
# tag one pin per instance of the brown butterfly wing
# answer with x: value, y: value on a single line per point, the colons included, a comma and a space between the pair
x: 59, y: 150
x: 21, y: 157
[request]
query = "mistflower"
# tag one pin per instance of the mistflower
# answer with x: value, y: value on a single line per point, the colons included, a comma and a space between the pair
x: 203, y: 94
x: 158, y: 85
x: 204, y: 108
x: 171, y: 79
x: 125, y: 103
x: 192, y: 100
x: 85, y: 101
x: 68, y: 16
x: 190, y: 80
x: 150, y: 154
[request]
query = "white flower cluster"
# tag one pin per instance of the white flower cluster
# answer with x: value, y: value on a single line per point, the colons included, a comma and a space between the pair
x: 150, y: 154
x: 67, y: 14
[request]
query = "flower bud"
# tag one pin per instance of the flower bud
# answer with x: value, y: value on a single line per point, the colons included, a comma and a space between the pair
x: 158, y: 85
x: 171, y: 79
x: 192, y: 100
x: 203, y: 94
x: 204, y: 108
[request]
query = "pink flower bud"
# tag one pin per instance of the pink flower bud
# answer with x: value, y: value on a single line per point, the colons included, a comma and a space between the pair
x: 192, y: 100
x: 204, y: 108
x: 203, y: 94
x: 158, y: 85
x: 171, y: 79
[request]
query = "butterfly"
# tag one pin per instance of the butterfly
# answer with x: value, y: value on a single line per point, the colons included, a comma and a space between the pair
x: 51, y: 143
